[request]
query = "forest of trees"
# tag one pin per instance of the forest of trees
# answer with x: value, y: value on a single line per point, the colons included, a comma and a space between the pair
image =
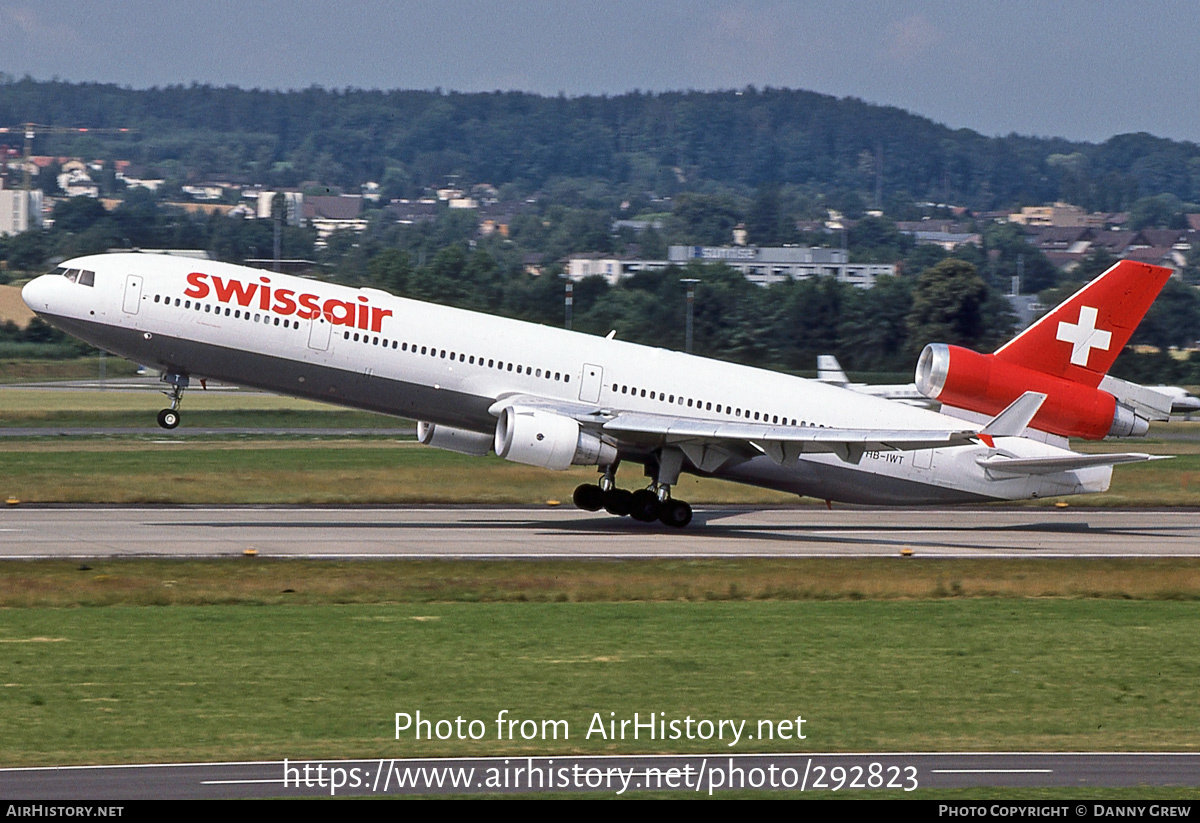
x: 817, y: 148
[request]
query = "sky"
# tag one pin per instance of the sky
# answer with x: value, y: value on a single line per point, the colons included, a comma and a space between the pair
x: 1079, y: 69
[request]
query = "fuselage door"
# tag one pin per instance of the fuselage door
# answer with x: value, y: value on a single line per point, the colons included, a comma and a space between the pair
x: 318, y: 333
x: 589, y: 387
x: 133, y: 294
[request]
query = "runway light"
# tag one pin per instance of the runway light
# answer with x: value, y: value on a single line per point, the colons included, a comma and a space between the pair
x: 250, y: 553
x: 553, y: 503
x: 11, y: 501
x: 906, y: 552
x: 1061, y: 504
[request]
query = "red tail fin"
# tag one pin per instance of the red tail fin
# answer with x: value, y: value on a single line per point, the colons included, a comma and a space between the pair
x: 1081, y: 338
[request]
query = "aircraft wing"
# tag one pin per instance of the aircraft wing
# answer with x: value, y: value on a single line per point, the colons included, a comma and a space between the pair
x: 781, y: 443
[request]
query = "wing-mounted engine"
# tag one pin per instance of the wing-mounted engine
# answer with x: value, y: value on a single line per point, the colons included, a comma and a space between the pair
x: 985, y: 384
x: 551, y: 441
x: 463, y: 441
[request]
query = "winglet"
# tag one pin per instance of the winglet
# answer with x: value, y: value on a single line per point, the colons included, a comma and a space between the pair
x: 1014, y: 419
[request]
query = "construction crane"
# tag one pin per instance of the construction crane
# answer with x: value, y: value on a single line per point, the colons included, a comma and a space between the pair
x: 33, y: 129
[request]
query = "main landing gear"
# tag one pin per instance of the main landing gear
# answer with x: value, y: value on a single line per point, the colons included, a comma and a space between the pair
x: 169, y: 418
x: 645, y: 505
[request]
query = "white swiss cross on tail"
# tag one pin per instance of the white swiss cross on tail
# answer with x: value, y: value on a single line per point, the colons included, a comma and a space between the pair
x: 1084, y: 336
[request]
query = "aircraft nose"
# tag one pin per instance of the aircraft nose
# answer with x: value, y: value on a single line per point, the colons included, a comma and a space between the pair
x: 36, y: 293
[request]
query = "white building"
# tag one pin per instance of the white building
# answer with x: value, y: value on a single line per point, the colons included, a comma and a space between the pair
x: 293, y: 201
x: 611, y: 268
x: 765, y: 265
x: 19, y: 210
x: 760, y: 265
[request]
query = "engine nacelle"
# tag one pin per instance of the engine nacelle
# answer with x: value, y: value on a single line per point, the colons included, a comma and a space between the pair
x: 548, y: 440
x: 455, y: 440
x: 985, y: 384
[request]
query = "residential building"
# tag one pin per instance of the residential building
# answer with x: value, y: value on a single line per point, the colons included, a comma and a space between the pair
x: 331, y: 213
x: 1057, y: 214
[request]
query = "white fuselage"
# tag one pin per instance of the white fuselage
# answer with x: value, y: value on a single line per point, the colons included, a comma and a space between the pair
x: 368, y: 349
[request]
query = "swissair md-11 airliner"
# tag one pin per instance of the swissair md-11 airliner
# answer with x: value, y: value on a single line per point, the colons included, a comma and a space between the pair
x: 555, y: 398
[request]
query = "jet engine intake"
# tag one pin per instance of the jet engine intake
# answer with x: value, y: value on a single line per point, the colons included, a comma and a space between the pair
x: 551, y: 441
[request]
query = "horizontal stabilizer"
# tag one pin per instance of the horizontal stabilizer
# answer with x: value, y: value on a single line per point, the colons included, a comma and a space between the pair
x: 1145, y: 401
x: 1053, y: 465
x: 1016, y: 418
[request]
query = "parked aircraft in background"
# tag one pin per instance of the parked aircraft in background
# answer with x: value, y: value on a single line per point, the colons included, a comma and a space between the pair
x: 829, y: 370
x: 554, y: 398
x: 1182, y: 401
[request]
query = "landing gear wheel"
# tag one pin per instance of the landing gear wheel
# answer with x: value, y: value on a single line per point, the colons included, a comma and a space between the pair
x: 618, y: 502
x: 168, y: 418
x: 644, y: 506
x: 588, y: 497
x: 676, y: 513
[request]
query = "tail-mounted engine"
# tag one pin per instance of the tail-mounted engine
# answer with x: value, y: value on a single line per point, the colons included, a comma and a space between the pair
x: 985, y: 384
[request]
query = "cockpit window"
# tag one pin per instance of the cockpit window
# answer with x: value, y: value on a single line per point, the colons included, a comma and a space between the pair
x: 81, y: 276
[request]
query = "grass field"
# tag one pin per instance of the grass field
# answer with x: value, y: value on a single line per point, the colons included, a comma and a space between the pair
x: 256, y: 469
x: 141, y: 684
x: 295, y: 470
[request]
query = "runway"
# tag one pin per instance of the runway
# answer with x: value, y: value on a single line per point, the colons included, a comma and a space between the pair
x: 705, y: 775
x: 565, y: 532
